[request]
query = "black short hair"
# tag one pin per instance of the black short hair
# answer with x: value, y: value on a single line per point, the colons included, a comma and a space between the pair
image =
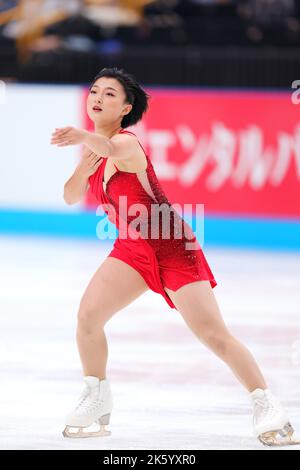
x: 135, y: 94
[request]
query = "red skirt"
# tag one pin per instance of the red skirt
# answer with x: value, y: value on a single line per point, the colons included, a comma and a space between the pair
x: 161, y: 269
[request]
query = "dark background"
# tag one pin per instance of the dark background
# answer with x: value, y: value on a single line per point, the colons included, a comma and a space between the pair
x: 247, y: 43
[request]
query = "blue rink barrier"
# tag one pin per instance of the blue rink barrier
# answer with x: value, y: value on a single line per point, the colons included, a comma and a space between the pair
x: 219, y: 230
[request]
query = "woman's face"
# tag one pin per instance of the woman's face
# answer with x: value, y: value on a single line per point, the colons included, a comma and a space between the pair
x: 106, y: 102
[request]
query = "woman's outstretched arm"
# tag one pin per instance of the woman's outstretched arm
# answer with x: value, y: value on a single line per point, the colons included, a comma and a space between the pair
x: 118, y: 147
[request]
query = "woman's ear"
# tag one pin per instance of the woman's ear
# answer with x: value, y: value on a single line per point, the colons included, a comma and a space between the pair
x: 127, y: 109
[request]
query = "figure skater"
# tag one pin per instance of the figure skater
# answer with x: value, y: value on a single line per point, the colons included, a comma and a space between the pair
x: 115, y: 167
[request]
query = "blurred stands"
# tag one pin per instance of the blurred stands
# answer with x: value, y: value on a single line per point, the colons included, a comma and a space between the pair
x: 180, y: 42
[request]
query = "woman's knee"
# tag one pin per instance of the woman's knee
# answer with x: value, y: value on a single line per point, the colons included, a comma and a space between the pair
x: 90, y: 318
x: 218, y: 341
x: 94, y: 309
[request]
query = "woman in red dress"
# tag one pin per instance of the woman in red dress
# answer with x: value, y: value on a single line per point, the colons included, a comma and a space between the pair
x: 116, y: 169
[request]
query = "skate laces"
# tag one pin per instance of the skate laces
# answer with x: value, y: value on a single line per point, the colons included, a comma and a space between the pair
x: 86, y: 401
x: 265, y: 407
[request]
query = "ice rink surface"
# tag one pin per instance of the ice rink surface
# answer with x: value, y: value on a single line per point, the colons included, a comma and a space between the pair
x: 170, y: 392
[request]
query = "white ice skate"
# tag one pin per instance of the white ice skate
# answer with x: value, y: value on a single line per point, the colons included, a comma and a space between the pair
x: 270, y: 422
x: 95, y: 406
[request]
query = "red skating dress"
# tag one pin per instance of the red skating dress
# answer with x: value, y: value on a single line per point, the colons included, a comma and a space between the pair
x: 163, y: 258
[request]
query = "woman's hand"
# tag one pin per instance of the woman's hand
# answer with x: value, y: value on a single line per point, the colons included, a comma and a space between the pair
x: 65, y: 136
x: 89, y: 163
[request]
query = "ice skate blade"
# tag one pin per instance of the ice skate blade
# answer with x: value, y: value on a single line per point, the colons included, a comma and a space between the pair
x: 281, y: 437
x: 81, y: 433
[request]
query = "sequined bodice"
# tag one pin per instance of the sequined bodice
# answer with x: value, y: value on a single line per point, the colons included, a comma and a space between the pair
x: 139, y: 195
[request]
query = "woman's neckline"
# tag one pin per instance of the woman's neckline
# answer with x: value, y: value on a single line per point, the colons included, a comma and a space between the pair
x: 124, y: 171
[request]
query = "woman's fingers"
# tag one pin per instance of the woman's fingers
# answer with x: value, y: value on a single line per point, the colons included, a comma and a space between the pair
x: 57, y: 137
x: 90, y: 156
x: 98, y: 163
x: 60, y: 140
x: 65, y: 144
x: 94, y: 157
x: 60, y: 135
x: 62, y: 131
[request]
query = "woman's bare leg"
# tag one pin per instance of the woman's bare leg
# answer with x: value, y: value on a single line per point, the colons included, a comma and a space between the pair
x: 114, y: 285
x: 198, y: 306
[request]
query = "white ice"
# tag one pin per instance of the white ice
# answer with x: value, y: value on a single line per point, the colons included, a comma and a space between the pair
x: 170, y: 392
